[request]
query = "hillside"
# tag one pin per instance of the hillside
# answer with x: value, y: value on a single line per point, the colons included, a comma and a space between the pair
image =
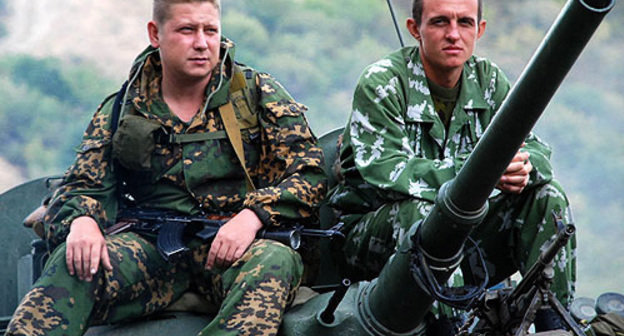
x: 107, y: 33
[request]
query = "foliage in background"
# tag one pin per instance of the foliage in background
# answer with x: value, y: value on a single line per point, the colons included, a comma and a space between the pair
x: 3, y: 12
x: 45, y: 107
x: 318, y: 48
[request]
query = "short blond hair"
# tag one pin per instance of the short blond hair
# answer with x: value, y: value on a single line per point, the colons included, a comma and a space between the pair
x: 160, y: 8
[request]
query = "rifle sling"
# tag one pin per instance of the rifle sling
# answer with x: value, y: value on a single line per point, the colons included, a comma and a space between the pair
x: 234, y: 135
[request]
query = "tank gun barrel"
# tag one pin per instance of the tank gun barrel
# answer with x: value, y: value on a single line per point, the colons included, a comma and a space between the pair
x: 462, y: 203
x: 529, y: 97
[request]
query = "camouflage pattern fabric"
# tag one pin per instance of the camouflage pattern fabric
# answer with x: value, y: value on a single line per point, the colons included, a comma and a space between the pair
x: 397, y: 153
x: 253, y: 293
x: 192, y: 178
x: 281, y: 156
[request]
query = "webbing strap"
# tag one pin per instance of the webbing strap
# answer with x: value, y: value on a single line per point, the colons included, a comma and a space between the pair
x: 196, y: 137
x: 117, y: 107
x: 233, y: 131
x: 238, y: 81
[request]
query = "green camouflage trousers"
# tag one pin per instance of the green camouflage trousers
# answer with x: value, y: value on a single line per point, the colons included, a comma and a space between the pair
x: 252, y: 294
x: 510, y: 237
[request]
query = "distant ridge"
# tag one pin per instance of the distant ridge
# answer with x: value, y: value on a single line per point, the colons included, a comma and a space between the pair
x: 108, y: 33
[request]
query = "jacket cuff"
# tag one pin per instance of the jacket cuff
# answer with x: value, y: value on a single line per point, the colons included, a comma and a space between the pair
x: 263, y: 215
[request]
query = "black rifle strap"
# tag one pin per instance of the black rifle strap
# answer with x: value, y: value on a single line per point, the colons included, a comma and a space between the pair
x: 119, y: 102
x: 117, y: 107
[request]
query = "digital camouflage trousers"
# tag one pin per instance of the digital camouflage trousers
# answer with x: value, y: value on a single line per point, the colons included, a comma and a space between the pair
x: 510, y: 237
x: 252, y: 293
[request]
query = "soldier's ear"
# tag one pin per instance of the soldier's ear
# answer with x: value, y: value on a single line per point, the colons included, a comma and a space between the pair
x: 152, y: 32
x: 481, y: 28
x: 413, y: 28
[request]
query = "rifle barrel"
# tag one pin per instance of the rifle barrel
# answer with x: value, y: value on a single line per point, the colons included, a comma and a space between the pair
x: 546, y: 257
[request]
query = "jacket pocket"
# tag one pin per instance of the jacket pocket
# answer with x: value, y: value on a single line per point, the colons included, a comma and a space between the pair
x: 135, y: 141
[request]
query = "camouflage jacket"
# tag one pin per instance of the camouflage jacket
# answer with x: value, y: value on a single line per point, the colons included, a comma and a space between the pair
x: 395, y: 145
x: 196, y: 176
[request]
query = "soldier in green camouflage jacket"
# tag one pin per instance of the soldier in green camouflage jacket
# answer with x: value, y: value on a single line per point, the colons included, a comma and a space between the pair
x: 174, y: 153
x: 417, y: 115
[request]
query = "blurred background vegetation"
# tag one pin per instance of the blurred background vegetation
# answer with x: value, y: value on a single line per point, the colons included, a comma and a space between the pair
x: 317, y: 49
x: 2, y: 14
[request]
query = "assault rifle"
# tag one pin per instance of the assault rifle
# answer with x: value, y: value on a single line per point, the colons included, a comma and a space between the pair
x: 511, y: 311
x: 171, y: 229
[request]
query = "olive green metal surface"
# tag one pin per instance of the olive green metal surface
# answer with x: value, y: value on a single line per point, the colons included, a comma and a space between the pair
x: 15, y: 205
x: 176, y: 324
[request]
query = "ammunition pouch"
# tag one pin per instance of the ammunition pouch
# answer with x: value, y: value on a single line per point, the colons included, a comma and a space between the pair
x: 135, y: 141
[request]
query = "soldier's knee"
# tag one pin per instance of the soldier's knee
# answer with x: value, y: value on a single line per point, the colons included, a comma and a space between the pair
x: 551, y: 197
x: 554, y: 192
x: 57, y: 260
x: 272, y: 252
x: 276, y: 249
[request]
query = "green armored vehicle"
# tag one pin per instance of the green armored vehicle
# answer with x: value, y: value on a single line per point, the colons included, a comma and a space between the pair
x: 395, y: 303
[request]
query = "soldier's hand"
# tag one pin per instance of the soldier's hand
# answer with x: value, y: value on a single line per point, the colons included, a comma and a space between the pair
x: 233, y: 239
x: 516, y: 176
x: 86, y: 248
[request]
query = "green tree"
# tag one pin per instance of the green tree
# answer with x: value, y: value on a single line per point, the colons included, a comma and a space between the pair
x: 43, y: 75
x: 45, y: 106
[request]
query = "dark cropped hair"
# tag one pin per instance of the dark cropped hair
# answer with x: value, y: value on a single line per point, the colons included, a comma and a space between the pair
x: 417, y: 10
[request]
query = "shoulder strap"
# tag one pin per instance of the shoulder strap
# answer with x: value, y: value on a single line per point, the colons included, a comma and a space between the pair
x: 117, y: 107
x: 233, y: 131
x: 114, y: 124
x: 238, y: 79
x: 244, y: 81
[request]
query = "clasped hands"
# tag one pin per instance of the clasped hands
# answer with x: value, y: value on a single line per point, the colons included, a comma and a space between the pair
x: 516, y: 176
x: 86, y: 245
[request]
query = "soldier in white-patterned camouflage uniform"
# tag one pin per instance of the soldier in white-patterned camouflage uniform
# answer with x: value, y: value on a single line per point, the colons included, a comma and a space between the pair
x: 417, y: 115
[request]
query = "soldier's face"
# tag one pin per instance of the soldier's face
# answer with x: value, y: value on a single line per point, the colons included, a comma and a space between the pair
x: 447, y: 34
x: 189, y: 40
